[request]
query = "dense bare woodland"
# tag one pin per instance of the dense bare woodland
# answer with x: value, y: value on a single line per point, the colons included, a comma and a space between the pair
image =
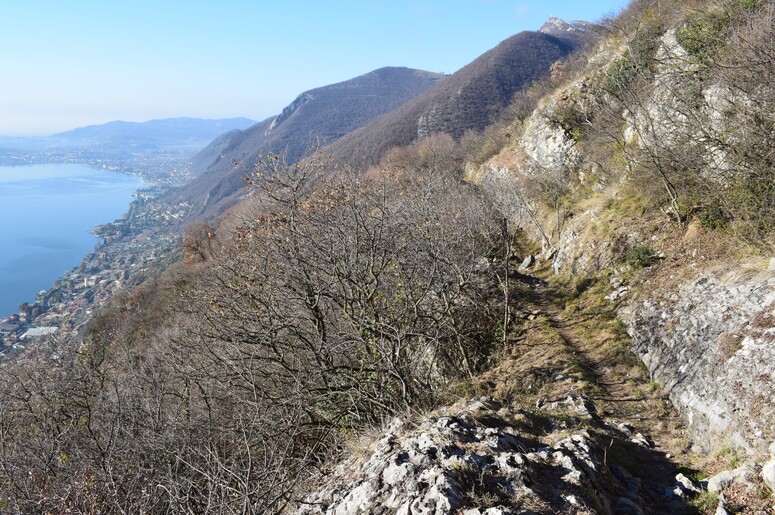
x: 331, y: 302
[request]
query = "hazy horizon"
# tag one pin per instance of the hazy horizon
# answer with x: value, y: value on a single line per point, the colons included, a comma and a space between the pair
x: 97, y: 62
x: 43, y: 135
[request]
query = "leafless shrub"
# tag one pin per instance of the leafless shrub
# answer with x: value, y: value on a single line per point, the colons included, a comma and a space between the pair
x: 362, y: 294
x: 219, y: 387
x: 199, y: 240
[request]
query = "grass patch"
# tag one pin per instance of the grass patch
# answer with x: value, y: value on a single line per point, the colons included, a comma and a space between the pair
x: 706, y: 502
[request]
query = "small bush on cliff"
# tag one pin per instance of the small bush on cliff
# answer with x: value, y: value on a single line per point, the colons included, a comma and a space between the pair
x: 620, y: 73
x: 641, y: 256
x: 703, y: 35
x: 713, y: 216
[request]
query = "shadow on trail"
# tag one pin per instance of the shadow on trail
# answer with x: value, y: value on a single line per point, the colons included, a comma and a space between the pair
x: 616, y: 408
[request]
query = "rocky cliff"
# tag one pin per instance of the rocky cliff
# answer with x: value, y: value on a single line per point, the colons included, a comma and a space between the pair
x: 711, y: 342
x: 701, y: 320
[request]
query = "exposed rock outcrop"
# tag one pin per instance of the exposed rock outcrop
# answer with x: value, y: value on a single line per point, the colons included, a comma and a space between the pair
x: 711, y: 342
x: 708, y: 338
x: 470, y: 459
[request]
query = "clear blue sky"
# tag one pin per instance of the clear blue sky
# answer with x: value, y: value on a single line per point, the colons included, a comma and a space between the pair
x: 78, y: 62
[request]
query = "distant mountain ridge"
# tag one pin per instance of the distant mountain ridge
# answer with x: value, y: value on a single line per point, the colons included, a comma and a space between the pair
x: 322, y: 115
x: 157, y: 133
x: 469, y: 98
x: 361, y: 118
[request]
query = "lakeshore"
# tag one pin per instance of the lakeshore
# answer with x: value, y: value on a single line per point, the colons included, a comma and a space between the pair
x: 119, y: 254
x: 48, y: 212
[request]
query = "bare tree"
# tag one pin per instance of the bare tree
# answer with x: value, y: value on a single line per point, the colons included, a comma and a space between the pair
x: 361, y: 292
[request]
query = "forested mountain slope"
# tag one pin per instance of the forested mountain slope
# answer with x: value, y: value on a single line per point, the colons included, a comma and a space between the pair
x: 468, y: 100
x: 579, y: 322
x: 395, y: 106
x: 318, y: 116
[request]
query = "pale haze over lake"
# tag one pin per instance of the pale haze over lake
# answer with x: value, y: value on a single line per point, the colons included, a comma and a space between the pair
x: 47, y: 212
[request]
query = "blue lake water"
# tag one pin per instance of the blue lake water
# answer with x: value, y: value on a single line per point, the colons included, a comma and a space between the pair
x: 46, y: 216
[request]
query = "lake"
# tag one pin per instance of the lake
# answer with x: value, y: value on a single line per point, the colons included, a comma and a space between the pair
x: 47, y: 213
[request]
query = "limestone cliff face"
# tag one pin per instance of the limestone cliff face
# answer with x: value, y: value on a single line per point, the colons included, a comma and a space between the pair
x: 707, y: 336
x: 711, y: 342
x: 547, y: 144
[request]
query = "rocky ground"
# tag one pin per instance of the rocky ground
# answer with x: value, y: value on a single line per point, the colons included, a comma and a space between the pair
x: 567, y: 422
x: 483, y: 457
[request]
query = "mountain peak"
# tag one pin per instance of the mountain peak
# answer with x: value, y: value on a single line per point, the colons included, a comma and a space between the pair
x: 560, y: 27
x: 322, y: 114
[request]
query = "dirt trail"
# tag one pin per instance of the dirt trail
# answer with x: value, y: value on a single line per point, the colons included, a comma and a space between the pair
x: 621, y: 390
x: 584, y: 343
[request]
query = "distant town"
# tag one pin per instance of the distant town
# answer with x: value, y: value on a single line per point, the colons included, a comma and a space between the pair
x: 129, y: 249
x: 164, y: 168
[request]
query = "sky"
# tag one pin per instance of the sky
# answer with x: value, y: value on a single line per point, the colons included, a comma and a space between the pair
x: 80, y: 62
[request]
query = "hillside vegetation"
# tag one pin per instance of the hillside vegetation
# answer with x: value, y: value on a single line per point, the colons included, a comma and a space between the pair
x: 469, y: 100
x: 335, y: 297
x: 318, y: 116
